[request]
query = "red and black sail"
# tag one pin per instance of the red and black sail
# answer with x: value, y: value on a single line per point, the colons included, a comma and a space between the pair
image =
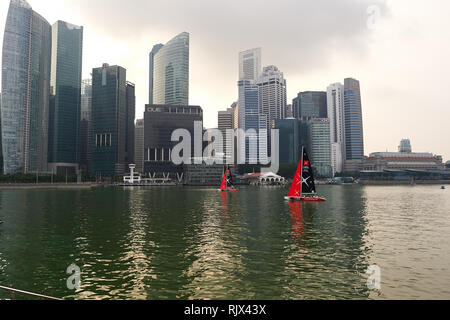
x: 308, y: 184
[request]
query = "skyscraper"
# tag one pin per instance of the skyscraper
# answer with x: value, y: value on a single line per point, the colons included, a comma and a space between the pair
x: 226, y: 122
x: 319, y: 133
x: 130, y: 116
x: 310, y: 104
x: 272, y: 94
x: 154, y: 51
x: 249, y: 119
x: 405, y: 146
x: 250, y: 64
x: 290, y: 147
x: 160, y: 122
x: 85, y: 120
x: 26, y: 60
x: 112, y: 101
x: 139, y: 145
x: 171, y: 72
x: 354, y: 138
x: 65, y: 84
x: 335, y: 102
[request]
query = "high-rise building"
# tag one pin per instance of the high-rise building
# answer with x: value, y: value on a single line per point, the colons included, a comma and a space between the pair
x: 405, y: 146
x: 235, y: 107
x: 160, y: 121
x: 249, y: 121
x: 139, y: 145
x: 171, y: 72
x: 65, y: 84
x: 335, y: 102
x: 130, y: 117
x: 250, y: 64
x: 353, y: 124
x: 272, y: 94
x: 310, y: 104
x: 290, y: 147
x: 26, y: 60
x: 112, y: 101
x: 320, y: 146
x: 154, y: 51
x: 289, y: 113
x: 85, y: 119
x: 226, y: 123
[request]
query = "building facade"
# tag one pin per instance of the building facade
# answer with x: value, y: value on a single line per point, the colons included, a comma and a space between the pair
x: 249, y: 121
x: 171, y: 72
x: 26, y: 60
x: 160, y: 121
x: 154, y: 51
x: 290, y: 147
x: 272, y: 94
x: 226, y: 123
x: 405, y: 159
x: 65, y: 84
x: 335, y: 104
x: 320, y: 146
x: 405, y: 146
x: 353, y: 124
x: 139, y: 145
x: 130, y: 128
x: 85, y: 120
x: 312, y: 104
x: 250, y: 64
x: 109, y: 133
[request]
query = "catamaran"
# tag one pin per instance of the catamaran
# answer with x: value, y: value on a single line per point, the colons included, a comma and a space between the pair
x: 303, y: 187
x: 227, y: 182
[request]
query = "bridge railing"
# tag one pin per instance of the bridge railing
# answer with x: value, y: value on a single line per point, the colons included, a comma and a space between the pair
x: 14, y: 292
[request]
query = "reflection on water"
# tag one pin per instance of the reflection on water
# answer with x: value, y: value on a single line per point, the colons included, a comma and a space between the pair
x: 186, y: 243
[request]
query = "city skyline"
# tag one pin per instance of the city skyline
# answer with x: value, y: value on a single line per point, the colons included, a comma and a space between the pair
x: 370, y: 53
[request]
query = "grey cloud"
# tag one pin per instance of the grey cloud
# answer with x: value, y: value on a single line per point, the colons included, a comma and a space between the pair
x: 293, y: 34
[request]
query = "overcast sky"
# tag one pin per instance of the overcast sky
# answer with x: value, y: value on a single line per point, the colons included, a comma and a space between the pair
x: 399, y: 50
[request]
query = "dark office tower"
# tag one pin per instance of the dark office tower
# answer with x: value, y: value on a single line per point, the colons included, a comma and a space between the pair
x: 131, y: 110
x: 25, y: 90
x: 353, y: 123
x: 65, y: 84
x: 310, y: 104
x: 154, y: 51
x: 290, y: 147
x: 108, y: 136
x: 160, y: 121
x: 139, y: 145
x: 85, y: 119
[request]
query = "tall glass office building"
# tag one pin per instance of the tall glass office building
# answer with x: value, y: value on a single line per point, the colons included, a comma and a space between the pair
x: 310, y: 104
x: 290, y: 147
x: 65, y: 84
x: 249, y: 119
x: 113, y: 107
x: 26, y: 59
x: 171, y: 72
x: 154, y: 51
x: 354, y: 139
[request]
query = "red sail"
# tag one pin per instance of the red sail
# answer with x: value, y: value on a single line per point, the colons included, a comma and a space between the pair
x: 223, y: 186
x: 296, y: 187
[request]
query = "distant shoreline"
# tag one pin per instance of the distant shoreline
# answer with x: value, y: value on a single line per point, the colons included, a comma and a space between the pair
x: 403, y: 183
x: 58, y: 186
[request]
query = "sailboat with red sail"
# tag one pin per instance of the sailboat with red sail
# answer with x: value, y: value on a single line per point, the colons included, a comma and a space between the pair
x: 227, y: 182
x: 303, y: 187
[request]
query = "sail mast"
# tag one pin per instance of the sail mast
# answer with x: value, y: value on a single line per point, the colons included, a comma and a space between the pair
x: 301, y: 172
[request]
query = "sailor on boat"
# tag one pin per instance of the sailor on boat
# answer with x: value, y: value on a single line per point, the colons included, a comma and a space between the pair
x: 227, y: 182
x: 303, y: 187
